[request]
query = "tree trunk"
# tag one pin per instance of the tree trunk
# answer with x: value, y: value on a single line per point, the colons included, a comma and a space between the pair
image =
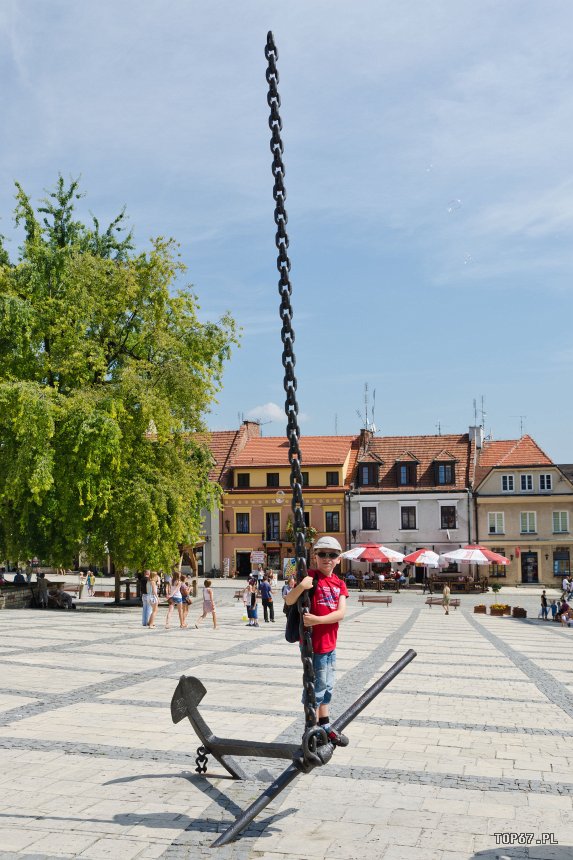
x: 195, y: 567
x: 117, y: 582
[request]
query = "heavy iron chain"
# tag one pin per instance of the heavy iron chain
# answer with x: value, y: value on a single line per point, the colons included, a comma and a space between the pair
x: 313, y: 734
x: 202, y: 760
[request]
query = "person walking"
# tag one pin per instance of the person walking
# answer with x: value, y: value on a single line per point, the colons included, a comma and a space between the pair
x: 42, y: 591
x: 90, y: 581
x: 446, y: 599
x: 186, y: 595
x: 267, y: 600
x: 174, y: 599
x: 208, y: 604
x: 544, y: 606
x: 252, y: 595
x: 145, y: 607
x: 152, y: 587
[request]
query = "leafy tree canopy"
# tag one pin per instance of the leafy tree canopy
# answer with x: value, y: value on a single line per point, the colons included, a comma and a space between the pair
x: 105, y: 375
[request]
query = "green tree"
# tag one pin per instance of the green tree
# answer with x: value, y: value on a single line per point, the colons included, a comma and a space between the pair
x: 106, y: 374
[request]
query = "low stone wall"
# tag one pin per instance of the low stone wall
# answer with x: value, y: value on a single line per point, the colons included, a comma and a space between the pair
x: 15, y: 596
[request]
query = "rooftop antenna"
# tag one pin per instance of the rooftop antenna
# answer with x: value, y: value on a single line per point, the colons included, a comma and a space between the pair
x: 483, y: 412
x: 475, y: 412
x: 439, y: 427
x: 366, y: 423
x: 262, y: 424
x: 521, y: 422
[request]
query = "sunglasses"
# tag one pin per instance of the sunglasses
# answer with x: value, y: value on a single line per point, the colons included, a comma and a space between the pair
x: 328, y: 554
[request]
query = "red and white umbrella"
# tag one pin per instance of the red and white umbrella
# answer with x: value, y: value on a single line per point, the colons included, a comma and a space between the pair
x: 423, y: 556
x: 474, y: 554
x: 373, y: 553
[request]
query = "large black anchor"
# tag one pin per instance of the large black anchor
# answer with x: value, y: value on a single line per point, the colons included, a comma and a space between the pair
x: 185, y: 703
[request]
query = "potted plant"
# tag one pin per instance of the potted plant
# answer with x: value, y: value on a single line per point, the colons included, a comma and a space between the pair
x: 480, y: 608
x: 497, y: 609
x: 496, y: 587
x: 507, y: 609
x: 519, y: 612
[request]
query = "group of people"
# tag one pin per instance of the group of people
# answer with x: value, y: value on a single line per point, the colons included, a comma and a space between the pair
x: 561, y: 610
x: 178, y: 595
x: 260, y: 585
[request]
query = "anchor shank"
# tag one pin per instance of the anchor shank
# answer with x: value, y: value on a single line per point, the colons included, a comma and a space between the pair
x: 352, y: 712
x: 253, y: 749
x: 253, y: 810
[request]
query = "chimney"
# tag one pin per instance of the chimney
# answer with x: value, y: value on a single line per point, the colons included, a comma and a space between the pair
x: 253, y: 429
x: 476, y: 435
x: 365, y: 437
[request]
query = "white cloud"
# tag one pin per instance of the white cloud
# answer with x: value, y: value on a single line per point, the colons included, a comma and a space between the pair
x: 266, y: 412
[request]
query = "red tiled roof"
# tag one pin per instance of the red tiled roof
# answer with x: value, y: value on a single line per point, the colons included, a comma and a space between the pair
x: 273, y: 451
x: 426, y: 449
x: 510, y: 453
x: 223, y: 445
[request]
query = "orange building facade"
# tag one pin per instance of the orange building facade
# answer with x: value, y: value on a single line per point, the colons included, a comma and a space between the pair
x: 257, y: 504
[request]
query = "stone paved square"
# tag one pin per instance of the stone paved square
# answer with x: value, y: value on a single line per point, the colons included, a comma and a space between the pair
x: 473, y: 739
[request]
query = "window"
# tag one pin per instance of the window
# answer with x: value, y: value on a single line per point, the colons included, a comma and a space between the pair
x: 445, y: 473
x: 369, y: 519
x: 507, y: 484
x: 243, y: 480
x: 544, y: 482
x: 306, y: 517
x: 273, y: 525
x: 561, y: 561
x: 498, y: 570
x: 526, y: 483
x: 272, y: 479
x: 332, y: 521
x: 560, y: 522
x: 495, y: 523
x: 408, y: 517
x: 448, y: 517
x: 242, y: 521
x: 304, y: 479
x: 368, y: 475
x: 406, y: 474
x: 332, y: 479
x: 528, y: 523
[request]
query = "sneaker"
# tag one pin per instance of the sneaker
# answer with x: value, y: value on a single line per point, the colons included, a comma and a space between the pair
x: 337, y: 739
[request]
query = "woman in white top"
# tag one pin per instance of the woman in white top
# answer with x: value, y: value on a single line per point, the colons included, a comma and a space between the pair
x: 208, y: 604
x: 174, y: 599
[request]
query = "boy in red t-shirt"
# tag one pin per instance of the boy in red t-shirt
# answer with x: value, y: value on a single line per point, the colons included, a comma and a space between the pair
x: 327, y: 608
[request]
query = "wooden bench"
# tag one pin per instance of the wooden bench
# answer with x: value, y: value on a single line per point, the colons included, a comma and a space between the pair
x: 375, y: 598
x: 439, y: 601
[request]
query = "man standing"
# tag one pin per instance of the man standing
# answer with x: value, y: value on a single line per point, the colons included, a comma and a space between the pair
x: 267, y: 599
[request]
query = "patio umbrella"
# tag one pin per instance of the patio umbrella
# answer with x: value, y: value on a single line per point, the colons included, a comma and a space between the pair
x: 474, y: 554
x: 423, y: 556
x: 373, y: 553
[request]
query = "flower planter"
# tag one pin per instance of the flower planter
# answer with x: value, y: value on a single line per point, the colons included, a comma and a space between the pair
x: 480, y: 610
x: 497, y: 612
x: 507, y: 610
x: 518, y: 612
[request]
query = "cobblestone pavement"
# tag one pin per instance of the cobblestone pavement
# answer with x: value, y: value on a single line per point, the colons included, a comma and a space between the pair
x: 473, y: 739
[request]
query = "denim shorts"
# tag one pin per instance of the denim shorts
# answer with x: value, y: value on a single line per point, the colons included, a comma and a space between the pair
x: 324, y: 677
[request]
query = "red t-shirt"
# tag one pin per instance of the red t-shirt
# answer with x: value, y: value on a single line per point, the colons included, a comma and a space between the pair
x: 328, y: 590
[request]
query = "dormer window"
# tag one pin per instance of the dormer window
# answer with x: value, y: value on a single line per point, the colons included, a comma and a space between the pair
x: 406, y: 474
x: 444, y: 469
x: 445, y: 473
x: 406, y: 469
x: 368, y: 474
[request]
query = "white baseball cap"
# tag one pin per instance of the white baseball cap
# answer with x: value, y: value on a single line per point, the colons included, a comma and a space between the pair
x: 327, y: 542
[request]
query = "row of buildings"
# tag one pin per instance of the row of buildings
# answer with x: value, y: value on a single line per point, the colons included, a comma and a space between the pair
x: 405, y: 492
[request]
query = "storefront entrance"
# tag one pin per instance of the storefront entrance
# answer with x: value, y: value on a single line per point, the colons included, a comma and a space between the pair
x: 529, y: 567
x: 244, y: 564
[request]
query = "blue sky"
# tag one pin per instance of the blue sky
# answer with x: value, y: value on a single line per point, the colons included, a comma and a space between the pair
x: 429, y: 177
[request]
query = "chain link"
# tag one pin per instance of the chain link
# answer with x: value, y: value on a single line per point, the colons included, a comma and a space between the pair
x: 291, y: 405
x: 202, y: 760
